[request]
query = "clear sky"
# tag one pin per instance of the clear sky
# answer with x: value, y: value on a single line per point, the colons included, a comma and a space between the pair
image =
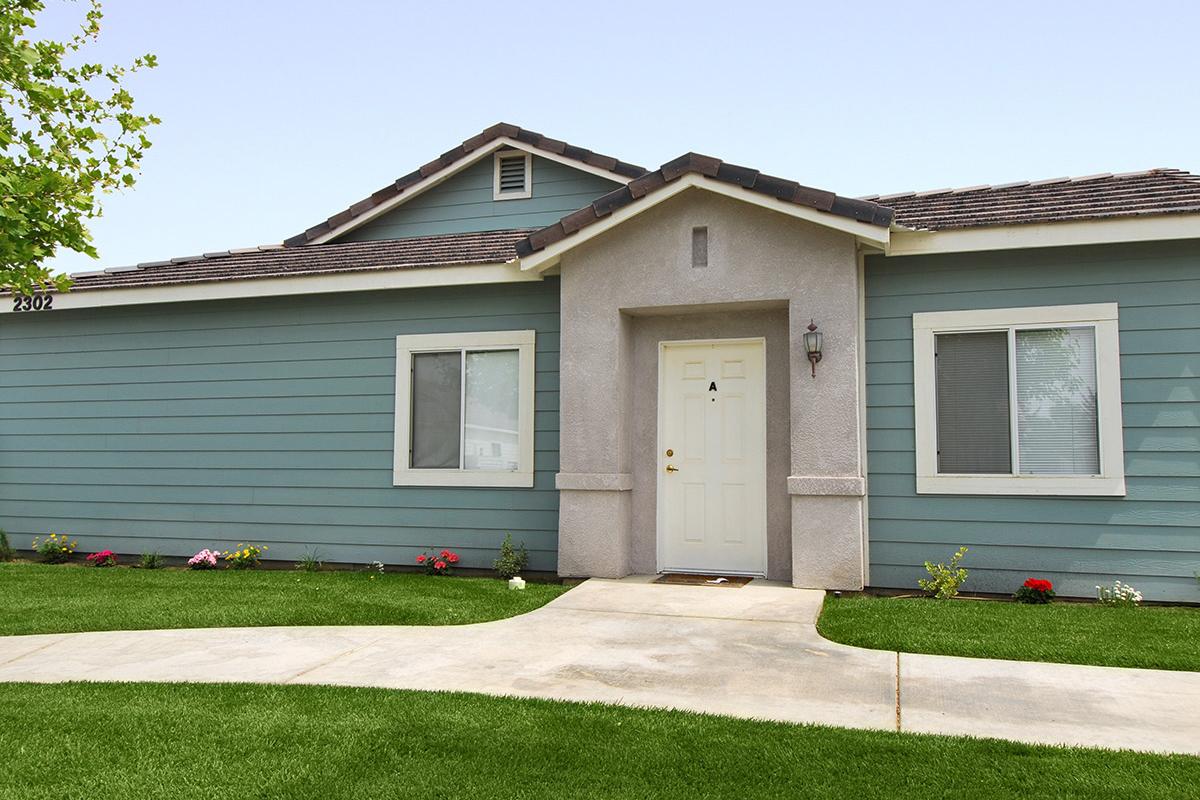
x: 277, y: 114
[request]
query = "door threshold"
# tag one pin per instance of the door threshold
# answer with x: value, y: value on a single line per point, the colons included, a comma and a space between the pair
x: 702, y: 579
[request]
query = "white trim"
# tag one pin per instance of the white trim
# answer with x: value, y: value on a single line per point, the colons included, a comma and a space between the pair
x: 523, y: 342
x: 861, y: 333
x: 906, y: 242
x: 376, y: 278
x: 544, y: 259
x: 527, y: 191
x: 761, y: 341
x: 1103, y: 318
x: 435, y: 178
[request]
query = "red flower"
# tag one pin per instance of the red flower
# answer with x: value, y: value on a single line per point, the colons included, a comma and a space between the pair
x: 439, y: 565
x: 1039, y: 585
x: 452, y: 558
x: 445, y: 554
x: 421, y: 559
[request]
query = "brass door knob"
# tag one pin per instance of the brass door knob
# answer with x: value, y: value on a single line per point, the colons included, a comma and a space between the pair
x: 672, y: 468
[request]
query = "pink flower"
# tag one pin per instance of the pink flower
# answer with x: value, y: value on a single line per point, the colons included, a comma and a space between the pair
x: 439, y: 565
x: 452, y: 558
x: 421, y: 559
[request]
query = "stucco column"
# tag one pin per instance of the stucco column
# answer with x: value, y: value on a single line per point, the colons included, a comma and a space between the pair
x: 826, y: 485
x: 594, y: 480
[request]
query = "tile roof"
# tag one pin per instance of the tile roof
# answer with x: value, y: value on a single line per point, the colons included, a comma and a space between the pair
x: 276, y: 261
x: 696, y: 164
x: 500, y: 129
x: 1156, y: 191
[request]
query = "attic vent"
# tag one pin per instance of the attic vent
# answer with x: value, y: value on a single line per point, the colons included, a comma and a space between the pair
x: 513, y: 175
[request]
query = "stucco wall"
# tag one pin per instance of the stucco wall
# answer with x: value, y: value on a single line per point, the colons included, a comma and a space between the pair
x: 643, y: 267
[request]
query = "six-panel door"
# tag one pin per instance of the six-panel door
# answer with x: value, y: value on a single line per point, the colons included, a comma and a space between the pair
x: 712, y: 486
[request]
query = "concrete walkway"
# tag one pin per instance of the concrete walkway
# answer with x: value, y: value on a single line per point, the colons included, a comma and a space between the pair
x: 749, y: 652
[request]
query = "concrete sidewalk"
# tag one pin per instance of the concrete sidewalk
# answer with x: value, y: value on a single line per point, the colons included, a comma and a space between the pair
x: 749, y: 652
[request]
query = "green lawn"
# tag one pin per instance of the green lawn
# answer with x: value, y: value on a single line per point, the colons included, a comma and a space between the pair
x: 40, y: 598
x: 1073, y: 633
x: 146, y: 741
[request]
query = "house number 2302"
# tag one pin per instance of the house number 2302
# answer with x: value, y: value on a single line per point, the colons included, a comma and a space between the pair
x: 38, y: 302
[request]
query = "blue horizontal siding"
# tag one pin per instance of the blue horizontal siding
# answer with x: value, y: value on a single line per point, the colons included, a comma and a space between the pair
x: 173, y: 428
x: 1150, y: 537
x: 464, y: 203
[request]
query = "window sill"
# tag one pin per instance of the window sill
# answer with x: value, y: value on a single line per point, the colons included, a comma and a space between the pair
x: 1044, y: 485
x: 466, y: 478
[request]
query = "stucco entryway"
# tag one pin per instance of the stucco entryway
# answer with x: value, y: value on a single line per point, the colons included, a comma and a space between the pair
x: 762, y: 275
x: 748, y: 652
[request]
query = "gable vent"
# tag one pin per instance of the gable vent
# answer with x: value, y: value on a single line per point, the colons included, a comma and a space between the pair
x: 512, y: 175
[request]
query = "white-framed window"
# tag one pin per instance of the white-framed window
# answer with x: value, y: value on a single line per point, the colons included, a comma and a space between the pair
x: 1019, y: 401
x: 464, y: 409
x: 513, y: 179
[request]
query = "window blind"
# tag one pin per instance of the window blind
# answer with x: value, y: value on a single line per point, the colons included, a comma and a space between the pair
x: 491, y: 430
x: 1056, y: 402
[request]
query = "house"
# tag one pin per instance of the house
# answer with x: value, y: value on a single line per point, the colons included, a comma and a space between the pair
x: 693, y: 368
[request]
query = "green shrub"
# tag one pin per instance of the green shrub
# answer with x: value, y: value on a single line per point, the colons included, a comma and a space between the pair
x: 1119, y: 594
x: 6, y: 551
x: 944, y: 579
x: 55, y: 548
x: 151, y: 560
x: 311, y: 561
x: 1035, y: 591
x: 511, y: 560
x: 246, y: 556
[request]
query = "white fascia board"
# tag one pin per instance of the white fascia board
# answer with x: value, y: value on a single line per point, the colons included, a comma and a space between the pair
x: 320, y: 283
x: 502, y: 143
x: 1164, y: 227
x: 988, y: 318
x: 872, y: 235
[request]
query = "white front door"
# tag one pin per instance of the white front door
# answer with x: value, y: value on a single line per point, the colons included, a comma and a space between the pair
x: 712, y: 489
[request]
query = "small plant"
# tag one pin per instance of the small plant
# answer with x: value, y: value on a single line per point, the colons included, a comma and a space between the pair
x: 375, y: 567
x: 205, y: 559
x: 105, y: 558
x: 1036, y: 591
x: 311, y: 561
x: 55, y: 548
x: 151, y: 560
x: 511, y: 560
x: 6, y: 551
x: 944, y: 579
x: 438, y: 563
x: 246, y: 556
x: 1119, y: 594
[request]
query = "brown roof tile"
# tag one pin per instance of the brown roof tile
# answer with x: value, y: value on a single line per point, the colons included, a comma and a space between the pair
x: 531, y: 138
x: 1156, y: 191
x: 694, y: 163
x: 275, y: 261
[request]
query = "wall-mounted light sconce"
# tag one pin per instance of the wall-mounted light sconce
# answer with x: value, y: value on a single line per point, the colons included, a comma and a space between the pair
x: 812, y: 346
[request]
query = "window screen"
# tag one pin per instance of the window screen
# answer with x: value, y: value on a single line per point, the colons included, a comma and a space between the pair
x: 436, y: 410
x: 972, y: 403
x: 1056, y: 402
